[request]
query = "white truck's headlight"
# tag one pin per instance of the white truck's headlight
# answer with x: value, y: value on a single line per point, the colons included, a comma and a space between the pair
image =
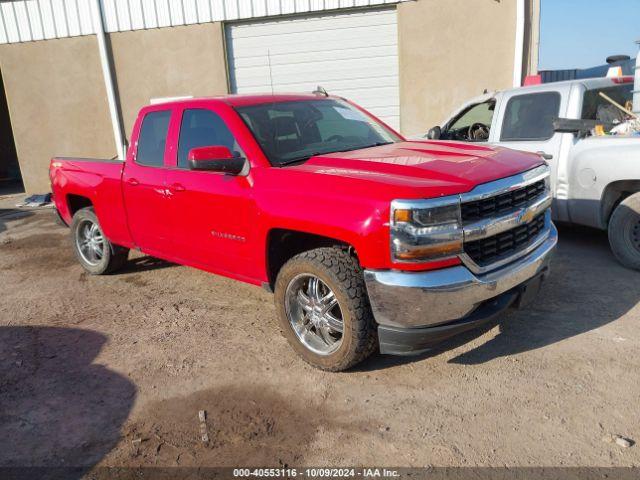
x: 424, y: 230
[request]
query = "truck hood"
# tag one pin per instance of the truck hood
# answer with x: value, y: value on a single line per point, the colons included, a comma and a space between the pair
x: 449, y: 167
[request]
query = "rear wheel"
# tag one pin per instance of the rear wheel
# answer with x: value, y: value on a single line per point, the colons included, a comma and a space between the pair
x: 624, y: 232
x: 96, y: 253
x: 323, y: 309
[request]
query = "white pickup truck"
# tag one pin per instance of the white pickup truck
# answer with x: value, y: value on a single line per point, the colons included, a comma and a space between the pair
x: 595, y: 180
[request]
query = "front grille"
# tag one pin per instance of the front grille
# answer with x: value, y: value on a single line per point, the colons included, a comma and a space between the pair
x: 489, y: 250
x: 490, y: 207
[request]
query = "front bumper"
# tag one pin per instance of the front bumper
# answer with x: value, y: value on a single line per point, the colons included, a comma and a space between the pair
x: 430, y: 300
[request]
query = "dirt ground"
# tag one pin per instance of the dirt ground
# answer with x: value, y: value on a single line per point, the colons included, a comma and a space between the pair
x: 113, y: 370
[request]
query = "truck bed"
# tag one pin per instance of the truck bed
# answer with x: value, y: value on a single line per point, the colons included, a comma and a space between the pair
x: 78, y: 179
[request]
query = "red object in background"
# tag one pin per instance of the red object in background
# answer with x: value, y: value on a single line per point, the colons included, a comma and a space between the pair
x: 623, y: 79
x: 221, y: 223
x: 532, y: 80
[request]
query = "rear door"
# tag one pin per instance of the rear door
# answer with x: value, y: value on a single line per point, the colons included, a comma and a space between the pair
x: 143, y: 183
x: 212, y: 214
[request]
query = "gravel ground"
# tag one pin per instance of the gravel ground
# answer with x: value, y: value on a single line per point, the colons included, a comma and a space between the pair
x: 113, y: 370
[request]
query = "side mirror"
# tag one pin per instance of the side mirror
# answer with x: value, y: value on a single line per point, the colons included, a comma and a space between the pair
x: 566, y: 125
x: 216, y: 158
x: 434, y: 133
x: 580, y: 128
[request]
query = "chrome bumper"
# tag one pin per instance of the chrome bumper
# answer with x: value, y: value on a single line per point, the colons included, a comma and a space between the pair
x: 408, y: 299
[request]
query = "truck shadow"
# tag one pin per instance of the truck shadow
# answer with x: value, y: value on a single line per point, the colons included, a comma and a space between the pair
x: 587, y: 289
x: 57, y: 408
x: 144, y: 264
x: 8, y: 215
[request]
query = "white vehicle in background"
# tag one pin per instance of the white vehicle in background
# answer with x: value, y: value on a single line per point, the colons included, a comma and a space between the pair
x: 595, y: 180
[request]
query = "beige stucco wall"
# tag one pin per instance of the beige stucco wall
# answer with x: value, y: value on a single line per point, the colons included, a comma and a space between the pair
x: 57, y: 98
x: 57, y: 104
x: 168, y: 62
x: 450, y: 51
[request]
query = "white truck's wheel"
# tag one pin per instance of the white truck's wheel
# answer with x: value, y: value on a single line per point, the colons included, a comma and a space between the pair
x: 624, y: 232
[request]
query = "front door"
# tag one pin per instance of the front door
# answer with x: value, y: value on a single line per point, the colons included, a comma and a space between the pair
x: 211, y: 213
x: 526, y: 122
x: 143, y: 185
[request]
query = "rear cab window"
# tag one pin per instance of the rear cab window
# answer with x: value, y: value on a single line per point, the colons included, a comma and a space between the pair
x: 152, y: 139
x: 595, y: 107
x: 530, y: 117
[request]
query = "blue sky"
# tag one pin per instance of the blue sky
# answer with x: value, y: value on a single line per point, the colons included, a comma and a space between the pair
x: 583, y: 33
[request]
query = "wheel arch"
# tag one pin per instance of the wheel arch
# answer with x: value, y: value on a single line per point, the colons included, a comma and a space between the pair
x: 77, y: 202
x: 613, y: 194
x: 283, y: 244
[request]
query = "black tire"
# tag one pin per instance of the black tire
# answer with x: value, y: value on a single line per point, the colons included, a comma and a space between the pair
x: 339, y: 271
x: 113, y: 257
x: 624, y: 232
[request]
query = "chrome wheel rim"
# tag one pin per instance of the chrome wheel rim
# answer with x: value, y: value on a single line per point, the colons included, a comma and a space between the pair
x: 314, y: 314
x: 90, y: 242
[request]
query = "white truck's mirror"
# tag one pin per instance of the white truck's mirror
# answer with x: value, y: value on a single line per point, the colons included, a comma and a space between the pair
x: 434, y: 133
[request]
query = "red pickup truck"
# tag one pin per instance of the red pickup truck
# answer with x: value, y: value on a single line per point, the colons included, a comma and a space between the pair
x: 367, y: 240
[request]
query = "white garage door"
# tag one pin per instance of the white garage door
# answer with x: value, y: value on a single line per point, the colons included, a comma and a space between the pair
x: 354, y: 55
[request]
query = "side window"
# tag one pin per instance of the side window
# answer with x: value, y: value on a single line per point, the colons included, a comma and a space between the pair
x: 153, y: 138
x: 530, y: 116
x: 204, y: 128
x: 480, y: 113
x: 594, y: 107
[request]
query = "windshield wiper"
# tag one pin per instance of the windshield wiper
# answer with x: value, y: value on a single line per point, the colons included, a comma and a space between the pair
x: 362, y: 147
x: 299, y: 159
x: 349, y: 149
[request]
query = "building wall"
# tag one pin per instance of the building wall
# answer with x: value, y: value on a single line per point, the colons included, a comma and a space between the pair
x: 187, y: 60
x: 450, y: 51
x: 57, y: 98
x: 532, y: 38
x: 57, y: 104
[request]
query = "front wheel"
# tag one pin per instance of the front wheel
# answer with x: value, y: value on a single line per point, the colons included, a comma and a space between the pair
x: 96, y: 253
x: 323, y: 309
x: 624, y: 232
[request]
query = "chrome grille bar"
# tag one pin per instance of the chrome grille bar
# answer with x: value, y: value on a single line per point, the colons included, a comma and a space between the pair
x: 493, y: 226
x: 489, y: 227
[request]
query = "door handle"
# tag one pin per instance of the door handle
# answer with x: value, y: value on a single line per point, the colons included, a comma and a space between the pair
x: 176, y: 187
x: 546, y: 156
x: 133, y: 182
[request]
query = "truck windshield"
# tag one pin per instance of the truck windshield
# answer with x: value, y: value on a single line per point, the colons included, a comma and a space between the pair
x: 294, y: 131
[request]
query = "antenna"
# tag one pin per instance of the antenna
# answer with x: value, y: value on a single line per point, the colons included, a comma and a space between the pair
x: 320, y: 91
x: 270, y: 72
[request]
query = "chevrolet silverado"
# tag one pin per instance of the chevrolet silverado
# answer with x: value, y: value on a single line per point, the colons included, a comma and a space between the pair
x: 367, y: 240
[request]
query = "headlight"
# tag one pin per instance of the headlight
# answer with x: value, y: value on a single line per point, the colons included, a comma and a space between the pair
x: 424, y: 230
